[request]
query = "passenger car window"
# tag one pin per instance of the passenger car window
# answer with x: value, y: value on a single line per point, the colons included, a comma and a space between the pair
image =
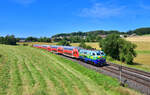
x: 85, y: 52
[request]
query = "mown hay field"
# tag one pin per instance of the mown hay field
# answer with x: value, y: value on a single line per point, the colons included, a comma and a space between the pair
x: 145, y: 38
x: 25, y: 70
x: 92, y: 44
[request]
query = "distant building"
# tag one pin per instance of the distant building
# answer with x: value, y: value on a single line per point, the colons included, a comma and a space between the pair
x: 134, y: 34
x: 84, y: 37
x: 122, y: 36
x: 103, y: 36
x: 21, y: 40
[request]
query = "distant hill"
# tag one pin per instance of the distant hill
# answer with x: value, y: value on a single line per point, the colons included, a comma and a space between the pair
x: 139, y: 31
x: 96, y: 32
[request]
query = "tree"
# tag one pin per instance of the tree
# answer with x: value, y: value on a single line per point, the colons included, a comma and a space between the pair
x: 118, y: 48
x: 64, y: 43
x: 31, y: 39
x: 98, y: 38
x: 44, y: 39
x: 18, y: 39
x: 8, y: 40
x: 88, y: 47
x: 127, y: 52
x: 110, y: 45
x: 57, y: 39
x: 2, y: 40
x: 83, y: 45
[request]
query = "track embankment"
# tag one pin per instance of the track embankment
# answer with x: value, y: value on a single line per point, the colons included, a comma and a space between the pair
x: 133, y: 78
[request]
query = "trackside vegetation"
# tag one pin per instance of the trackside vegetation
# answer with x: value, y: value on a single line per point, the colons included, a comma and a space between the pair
x: 26, y: 70
x: 83, y: 45
x: 118, y: 48
x: 64, y: 43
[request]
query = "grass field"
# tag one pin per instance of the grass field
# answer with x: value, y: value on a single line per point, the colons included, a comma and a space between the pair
x: 143, y: 51
x: 26, y: 70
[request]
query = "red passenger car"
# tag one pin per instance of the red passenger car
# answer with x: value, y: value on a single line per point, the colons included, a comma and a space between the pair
x: 37, y: 46
x: 71, y: 51
x: 54, y: 49
x: 44, y: 47
x: 60, y: 50
x: 49, y: 48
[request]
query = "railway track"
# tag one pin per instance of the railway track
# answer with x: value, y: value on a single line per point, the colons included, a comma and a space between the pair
x: 147, y: 74
x: 141, y: 79
x: 136, y: 79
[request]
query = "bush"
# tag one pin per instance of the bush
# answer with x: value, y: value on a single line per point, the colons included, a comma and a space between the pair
x: 64, y: 43
x: 88, y: 47
x: 118, y: 48
x: 25, y: 44
x: 31, y: 39
x: 44, y: 39
x: 83, y: 45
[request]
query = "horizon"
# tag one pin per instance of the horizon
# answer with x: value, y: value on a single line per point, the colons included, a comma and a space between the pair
x: 24, y: 18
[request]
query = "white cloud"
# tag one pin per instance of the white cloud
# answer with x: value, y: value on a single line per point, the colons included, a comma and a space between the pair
x: 99, y: 10
x: 24, y: 2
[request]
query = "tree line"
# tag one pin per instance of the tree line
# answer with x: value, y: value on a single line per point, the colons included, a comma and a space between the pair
x: 93, y: 36
x: 41, y: 39
x: 78, y: 39
x: 8, y: 40
x: 11, y: 40
x: 140, y: 31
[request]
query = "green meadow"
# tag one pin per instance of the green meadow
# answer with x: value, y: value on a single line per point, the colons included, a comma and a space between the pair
x: 25, y: 70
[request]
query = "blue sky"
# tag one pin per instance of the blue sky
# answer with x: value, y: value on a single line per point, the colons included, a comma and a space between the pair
x: 38, y: 18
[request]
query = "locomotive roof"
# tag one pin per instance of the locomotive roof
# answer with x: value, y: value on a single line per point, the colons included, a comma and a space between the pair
x: 84, y: 50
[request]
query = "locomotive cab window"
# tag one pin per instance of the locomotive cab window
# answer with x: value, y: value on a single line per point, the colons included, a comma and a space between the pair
x: 93, y: 54
x: 98, y: 53
x: 102, y: 53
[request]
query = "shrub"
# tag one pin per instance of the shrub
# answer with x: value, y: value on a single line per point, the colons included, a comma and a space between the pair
x: 64, y: 43
x: 83, y: 45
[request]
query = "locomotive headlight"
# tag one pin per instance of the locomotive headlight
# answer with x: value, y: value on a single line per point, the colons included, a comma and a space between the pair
x: 99, y: 57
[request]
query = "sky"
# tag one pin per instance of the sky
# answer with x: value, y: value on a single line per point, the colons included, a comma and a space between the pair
x: 40, y: 18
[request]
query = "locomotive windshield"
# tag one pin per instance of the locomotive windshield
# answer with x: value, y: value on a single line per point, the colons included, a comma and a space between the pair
x: 100, y: 53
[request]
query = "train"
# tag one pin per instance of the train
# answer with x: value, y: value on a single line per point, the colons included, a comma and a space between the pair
x: 96, y: 57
